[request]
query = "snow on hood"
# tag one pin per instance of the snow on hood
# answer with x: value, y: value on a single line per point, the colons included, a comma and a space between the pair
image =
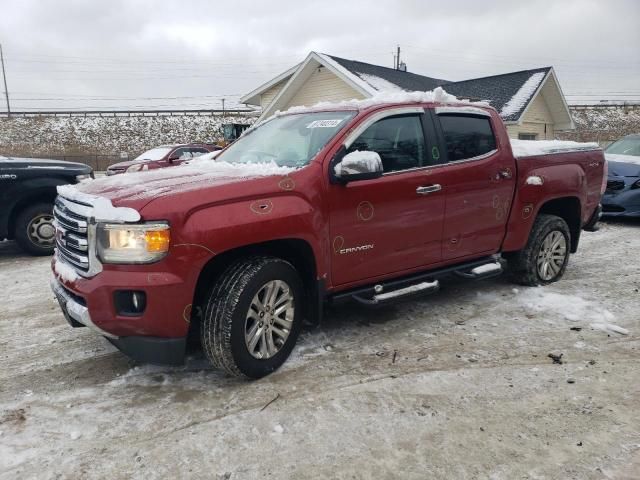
x: 97, y: 207
x: 197, y: 173
x: 529, y: 148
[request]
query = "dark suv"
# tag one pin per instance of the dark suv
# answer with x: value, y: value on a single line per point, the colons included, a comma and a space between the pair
x: 27, y: 191
x: 162, y: 156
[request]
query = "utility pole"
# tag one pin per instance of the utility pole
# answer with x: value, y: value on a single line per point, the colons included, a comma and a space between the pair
x: 4, y: 76
x: 223, y: 108
x: 398, y: 59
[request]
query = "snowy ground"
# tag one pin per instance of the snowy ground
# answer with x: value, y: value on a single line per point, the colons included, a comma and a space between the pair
x: 456, y: 385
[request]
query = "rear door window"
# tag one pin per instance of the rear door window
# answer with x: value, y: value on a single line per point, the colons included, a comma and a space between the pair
x: 466, y: 136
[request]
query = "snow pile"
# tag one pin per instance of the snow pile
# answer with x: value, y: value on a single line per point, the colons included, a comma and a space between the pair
x: 613, y: 157
x: 569, y: 307
x: 529, y: 148
x: 523, y: 95
x: 438, y: 95
x: 486, y: 268
x: 102, y: 210
x: 187, y: 176
x: 64, y: 271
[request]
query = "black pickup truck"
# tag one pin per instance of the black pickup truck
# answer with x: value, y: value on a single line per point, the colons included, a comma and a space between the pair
x: 27, y: 191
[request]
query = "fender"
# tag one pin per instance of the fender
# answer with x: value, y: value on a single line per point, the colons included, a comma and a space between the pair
x: 569, y: 179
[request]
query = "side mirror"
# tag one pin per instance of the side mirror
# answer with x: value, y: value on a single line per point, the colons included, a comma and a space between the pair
x: 173, y: 157
x: 358, y: 165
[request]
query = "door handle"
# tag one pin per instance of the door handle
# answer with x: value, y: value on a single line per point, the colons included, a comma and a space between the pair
x: 426, y: 190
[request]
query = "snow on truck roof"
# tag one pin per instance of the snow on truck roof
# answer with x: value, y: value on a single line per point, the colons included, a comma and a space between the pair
x: 437, y: 95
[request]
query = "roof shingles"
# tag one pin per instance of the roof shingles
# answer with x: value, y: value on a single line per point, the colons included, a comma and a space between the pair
x: 497, y: 89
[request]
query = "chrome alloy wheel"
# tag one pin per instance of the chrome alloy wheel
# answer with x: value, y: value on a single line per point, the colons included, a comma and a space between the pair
x: 41, y: 231
x: 552, y: 255
x: 269, y: 319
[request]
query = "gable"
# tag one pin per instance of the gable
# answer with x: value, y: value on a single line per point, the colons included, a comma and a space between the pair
x: 267, y: 97
x: 322, y: 86
x: 509, y: 93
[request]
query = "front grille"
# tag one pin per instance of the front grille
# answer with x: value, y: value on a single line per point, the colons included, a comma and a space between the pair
x: 72, y: 233
x: 613, y: 185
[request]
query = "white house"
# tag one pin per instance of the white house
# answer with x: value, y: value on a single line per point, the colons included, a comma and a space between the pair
x: 530, y: 102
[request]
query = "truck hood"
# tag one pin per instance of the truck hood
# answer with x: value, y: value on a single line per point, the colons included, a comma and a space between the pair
x: 42, y: 164
x: 135, y: 190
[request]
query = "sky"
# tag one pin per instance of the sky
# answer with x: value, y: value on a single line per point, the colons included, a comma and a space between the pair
x: 188, y: 54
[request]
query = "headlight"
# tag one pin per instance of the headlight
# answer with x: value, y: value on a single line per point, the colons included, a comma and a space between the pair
x: 137, y: 167
x: 142, y: 243
x: 84, y: 176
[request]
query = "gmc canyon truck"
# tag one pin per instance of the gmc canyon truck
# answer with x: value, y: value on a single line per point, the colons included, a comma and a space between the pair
x: 359, y: 201
x: 27, y: 191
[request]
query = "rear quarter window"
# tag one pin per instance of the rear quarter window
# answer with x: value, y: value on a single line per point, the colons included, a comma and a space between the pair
x: 466, y: 136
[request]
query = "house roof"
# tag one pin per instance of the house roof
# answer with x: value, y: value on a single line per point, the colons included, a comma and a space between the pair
x: 509, y: 93
x: 405, y: 80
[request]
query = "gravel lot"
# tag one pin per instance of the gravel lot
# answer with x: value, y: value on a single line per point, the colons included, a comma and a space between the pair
x: 455, y: 385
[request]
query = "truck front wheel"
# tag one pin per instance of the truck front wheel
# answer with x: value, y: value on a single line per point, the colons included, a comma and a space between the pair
x: 253, y: 316
x: 546, y: 255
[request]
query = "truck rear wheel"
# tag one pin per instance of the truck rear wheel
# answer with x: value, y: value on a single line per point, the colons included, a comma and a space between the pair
x: 34, y: 230
x: 253, y: 316
x: 546, y: 255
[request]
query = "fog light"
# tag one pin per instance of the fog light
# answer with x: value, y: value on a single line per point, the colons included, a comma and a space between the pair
x: 130, y: 303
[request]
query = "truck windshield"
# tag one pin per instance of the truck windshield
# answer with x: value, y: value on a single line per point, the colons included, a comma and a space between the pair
x: 290, y: 140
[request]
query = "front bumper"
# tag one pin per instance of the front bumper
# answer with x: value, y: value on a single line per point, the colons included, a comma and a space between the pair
x: 75, y: 310
x: 146, y: 348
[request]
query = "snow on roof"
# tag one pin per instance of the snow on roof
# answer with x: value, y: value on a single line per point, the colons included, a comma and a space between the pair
x: 529, y: 148
x: 380, y: 84
x: 523, y: 95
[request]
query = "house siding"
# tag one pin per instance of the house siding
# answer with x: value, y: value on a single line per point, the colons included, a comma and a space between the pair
x: 323, y: 86
x: 267, y: 97
x: 537, y: 120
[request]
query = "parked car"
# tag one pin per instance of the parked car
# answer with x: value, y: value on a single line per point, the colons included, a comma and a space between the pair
x: 368, y: 203
x: 162, y: 156
x: 622, y: 197
x: 27, y: 191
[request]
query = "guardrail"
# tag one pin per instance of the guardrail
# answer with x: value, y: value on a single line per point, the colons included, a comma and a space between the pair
x: 129, y: 113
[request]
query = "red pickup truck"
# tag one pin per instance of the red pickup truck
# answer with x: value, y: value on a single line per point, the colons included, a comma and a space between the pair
x: 365, y: 201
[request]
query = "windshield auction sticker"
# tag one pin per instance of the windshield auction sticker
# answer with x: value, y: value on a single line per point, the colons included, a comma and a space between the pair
x: 325, y: 123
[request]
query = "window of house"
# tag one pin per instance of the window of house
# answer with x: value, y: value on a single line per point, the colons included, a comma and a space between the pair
x: 527, y: 136
x: 466, y: 136
x: 399, y: 140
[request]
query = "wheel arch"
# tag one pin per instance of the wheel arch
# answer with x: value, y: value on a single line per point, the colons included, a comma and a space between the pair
x: 570, y: 210
x: 296, y: 251
x: 42, y: 195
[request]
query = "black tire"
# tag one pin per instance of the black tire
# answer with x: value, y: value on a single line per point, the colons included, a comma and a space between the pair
x: 34, y: 230
x: 225, y: 316
x: 523, y: 265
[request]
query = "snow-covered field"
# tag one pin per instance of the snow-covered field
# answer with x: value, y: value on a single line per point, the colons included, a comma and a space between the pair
x: 455, y: 385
